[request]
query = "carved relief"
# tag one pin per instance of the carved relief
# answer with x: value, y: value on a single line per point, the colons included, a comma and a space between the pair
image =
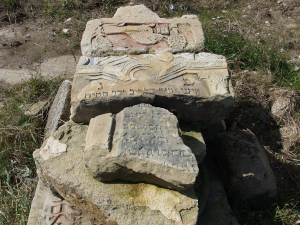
x: 162, y: 35
x: 57, y: 211
x: 124, y: 78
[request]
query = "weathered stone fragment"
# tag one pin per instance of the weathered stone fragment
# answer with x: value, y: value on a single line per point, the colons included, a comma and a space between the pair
x: 248, y: 175
x: 192, y: 86
x: 136, y: 29
x: 145, y: 146
x: 111, y: 203
x: 48, y: 209
x: 60, y: 109
x: 37, y: 108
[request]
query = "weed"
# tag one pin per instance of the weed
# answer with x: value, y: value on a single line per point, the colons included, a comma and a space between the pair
x: 75, y: 44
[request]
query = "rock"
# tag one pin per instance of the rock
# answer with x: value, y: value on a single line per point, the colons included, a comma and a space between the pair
x: 247, y: 169
x: 37, y: 108
x: 192, y: 137
x: 193, y: 86
x: 289, y: 132
x: 142, y: 143
x: 65, y: 31
x: 137, y: 11
x: 47, y: 208
x: 284, y: 104
x: 136, y: 30
x: 115, y: 202
x: 60, y: 109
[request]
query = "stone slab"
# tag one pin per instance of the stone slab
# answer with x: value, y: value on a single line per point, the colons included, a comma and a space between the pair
x: 115, y: 202
x: 247, y: 170
x: 142, y: 143
x: 48, y: 209
x: 141, y: 31
x: 60, y: 109
x: 193, y: 86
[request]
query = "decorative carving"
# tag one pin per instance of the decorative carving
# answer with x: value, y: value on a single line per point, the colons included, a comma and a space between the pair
x: 142, y: 77
x: 111, y: 35
x: 57, y: 211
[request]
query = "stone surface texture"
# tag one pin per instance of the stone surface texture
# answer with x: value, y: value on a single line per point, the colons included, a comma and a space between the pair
x: 142, y: 143
x: 115, y: 202
x: 193, y: 86
x: 136, y: 29
x: 249, y: 174
x: 60, y: 109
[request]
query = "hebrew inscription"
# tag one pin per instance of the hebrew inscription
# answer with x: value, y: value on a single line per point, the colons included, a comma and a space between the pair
x: 146, y: 146
x: 188, y: 79
x: 109, y: 36
x: 58, y: 211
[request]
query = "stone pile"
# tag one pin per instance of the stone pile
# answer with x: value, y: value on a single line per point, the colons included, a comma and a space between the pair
x: 133, y: 148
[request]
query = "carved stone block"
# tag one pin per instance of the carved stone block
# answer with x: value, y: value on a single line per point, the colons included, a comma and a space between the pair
x: 136, y: 29
x: 143, y: 144
x: 117, y: 202
x: 193, y: 86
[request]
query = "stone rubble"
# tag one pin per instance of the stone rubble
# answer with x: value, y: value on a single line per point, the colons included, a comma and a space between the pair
x: 133, y: 152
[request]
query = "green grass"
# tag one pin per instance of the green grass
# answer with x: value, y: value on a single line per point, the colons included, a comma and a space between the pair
x: 19, y: 137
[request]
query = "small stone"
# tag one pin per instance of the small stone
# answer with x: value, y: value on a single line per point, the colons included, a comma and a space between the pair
x: 68, y: 20
x: 37, y: 108
x: 65, y: 31
x: 267, y: 22
x: 284, y: 104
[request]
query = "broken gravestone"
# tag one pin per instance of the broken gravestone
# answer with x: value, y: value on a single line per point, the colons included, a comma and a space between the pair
x: 60, y: 109
x: 136, y: 29
x: 193, y: 86
x: 114, y: 202
x: 246, y: 168
x: 141, y: 143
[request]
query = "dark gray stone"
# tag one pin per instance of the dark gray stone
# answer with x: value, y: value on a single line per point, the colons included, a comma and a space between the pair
x: 247, y: 170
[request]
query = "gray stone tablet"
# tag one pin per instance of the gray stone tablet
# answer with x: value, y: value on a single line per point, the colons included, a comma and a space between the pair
x: 141, y: 143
